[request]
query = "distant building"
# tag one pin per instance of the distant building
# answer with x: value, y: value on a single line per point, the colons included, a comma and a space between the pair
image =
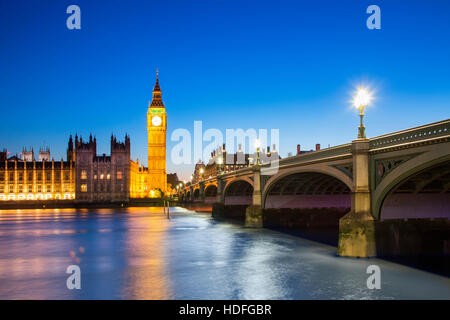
x: 172, y: 182
x: 299, y: 151
x: 196, y: 176
x: 44, y: 154
x: 235, y: 161
x: 3, y: 155
x: 28, y: 155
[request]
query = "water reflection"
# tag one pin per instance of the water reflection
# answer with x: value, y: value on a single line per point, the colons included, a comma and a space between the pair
x: 137, y: 253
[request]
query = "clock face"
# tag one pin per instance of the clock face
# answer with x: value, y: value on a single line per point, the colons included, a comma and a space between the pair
x: 156, y: 121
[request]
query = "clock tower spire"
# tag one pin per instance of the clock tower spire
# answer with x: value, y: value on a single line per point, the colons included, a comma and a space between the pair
x: 156, y: 128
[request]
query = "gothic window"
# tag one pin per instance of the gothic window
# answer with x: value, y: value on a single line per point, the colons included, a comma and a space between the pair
x: 57, y: 188
x: 1, y: 188
x: 30, y: 176
x: 57, y: 176
x: 2, y: 176
x: 49, y: 176
x: 11, y: 176
x: 39, y: 188
x: 30, y: 188
x: 84, y: 188
x: 66, y: 176
x: 39, y: 176
x: 20, y: 188
x: 119, y: 175
x: 108, y: 176
x: 49, y: 188
x: 83, y: 174
x: 20, y: 176
x: 102, y: 176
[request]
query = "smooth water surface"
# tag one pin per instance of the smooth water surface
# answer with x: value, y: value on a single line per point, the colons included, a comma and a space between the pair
x: 137, y: 253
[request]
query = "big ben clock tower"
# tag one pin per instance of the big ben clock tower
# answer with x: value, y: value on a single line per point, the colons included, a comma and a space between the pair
x: 156, y: 128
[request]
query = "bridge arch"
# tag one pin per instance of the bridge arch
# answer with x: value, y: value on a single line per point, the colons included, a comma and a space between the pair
x: 238, y: 191
x: 211, y: 190
x: 196, y: 193
x: 417, y: 188
x: 321, y: 181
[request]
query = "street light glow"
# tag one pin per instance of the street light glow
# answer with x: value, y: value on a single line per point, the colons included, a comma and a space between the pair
x: 362, y: 98
x: 257, y: 143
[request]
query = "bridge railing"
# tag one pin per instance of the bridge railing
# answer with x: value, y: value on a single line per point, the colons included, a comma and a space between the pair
x: 341, y: 150
x: 426, y: 132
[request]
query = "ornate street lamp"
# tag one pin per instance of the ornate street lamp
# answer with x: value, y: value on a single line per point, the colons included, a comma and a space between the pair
x: 201, y: 173
x: 360, y: 101
x: 257, y: 145
x: 219, y: 162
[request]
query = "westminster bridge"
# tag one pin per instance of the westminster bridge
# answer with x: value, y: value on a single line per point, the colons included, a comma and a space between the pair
x: 395, y: 189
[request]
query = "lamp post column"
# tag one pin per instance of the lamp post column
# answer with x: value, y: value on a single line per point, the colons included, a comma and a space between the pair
x: 254, y: 212
x: 357, y: 228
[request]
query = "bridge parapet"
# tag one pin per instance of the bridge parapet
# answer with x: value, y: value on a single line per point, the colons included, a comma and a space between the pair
x: 324, y: 154
x: 423, y: 133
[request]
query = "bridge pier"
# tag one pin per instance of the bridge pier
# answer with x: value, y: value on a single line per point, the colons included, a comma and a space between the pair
x: 357, y: 228
x: 202, y: 191
x: 218, y: 208
x: 254, y: 212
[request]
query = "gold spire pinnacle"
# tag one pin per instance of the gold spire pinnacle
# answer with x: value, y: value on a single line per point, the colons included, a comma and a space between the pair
x: 157, y: 99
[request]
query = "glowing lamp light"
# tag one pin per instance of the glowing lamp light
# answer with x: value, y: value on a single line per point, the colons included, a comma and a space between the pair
x: 362, y: 98
x: 257, y: 144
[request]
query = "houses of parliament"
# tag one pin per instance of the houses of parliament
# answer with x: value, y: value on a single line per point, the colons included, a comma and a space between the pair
x: 87, y: 177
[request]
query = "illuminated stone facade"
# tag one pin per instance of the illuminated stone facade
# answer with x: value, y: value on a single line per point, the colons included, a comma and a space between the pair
x: 38, y: 180
x: 138, y: 180
x: 102, y: 178
x: 151, y: 181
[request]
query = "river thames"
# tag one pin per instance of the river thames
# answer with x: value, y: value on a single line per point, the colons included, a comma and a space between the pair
x: 138, y: 253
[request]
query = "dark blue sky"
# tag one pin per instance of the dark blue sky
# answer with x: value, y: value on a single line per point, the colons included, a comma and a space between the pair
x: 291, y: 65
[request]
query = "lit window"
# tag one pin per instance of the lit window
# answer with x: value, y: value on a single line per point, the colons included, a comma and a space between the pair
x: 102, y: 176
x: 95, y: 176
x: 108, y: 176
x: 119, y: 175
x: 83, y: 174
x: 84, y: 188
